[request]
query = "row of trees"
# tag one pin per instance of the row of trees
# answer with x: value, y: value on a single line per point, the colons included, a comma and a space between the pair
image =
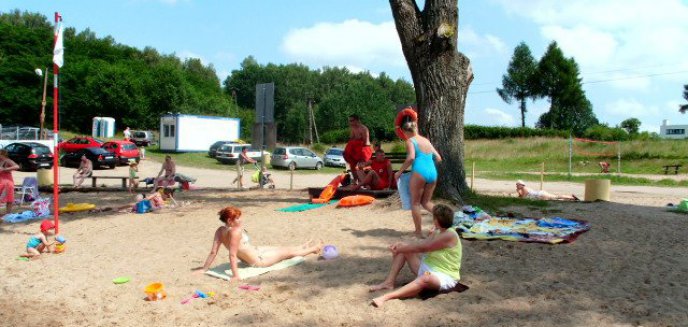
x: 553, y: 77
x: 103, y: 78
x: 335, y: 93
x: 100, y: 78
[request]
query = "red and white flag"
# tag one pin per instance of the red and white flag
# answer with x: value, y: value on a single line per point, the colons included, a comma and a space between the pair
x: 58, y: 52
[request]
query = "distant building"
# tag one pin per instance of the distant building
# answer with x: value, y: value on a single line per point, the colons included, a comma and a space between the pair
x: 673, y: 131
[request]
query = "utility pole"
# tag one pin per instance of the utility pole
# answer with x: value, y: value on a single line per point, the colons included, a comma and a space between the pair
x: 310, y: 121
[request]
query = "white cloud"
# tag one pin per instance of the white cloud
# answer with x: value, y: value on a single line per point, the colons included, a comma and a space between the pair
x: 626, y: 108
x: 475, y: 45
x: 619, y: 34
x: 186, y: 54
x: 352, y: 43
x: 499, y: 117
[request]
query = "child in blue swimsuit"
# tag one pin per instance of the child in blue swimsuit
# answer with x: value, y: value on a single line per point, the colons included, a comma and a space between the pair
x: 38, y: 243
x: 421, y: 157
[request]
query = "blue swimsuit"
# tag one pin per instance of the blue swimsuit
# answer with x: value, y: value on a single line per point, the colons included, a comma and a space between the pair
x: 33, y: 242
x: 424, y: 164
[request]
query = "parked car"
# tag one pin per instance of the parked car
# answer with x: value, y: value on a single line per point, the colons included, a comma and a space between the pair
x: 229, y: 153
x: 294, y: 157
x: 79, y: 143
x: 98, y: 156
x: 335, y: 157
x: 215, y: 146
x: 30, y: 155
x: 123, y: 150
x: 143, y: 138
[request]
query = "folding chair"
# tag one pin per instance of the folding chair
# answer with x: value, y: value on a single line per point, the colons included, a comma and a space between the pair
x: 29, y: 187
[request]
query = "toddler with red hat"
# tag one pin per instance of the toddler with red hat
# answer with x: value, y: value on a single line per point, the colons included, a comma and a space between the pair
x: 38, y: 243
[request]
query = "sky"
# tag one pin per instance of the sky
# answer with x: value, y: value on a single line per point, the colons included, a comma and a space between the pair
x: 633, y: 54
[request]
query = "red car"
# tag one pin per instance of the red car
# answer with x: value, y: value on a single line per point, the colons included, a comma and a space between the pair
x: 123, y: 150
x: 79, y: 143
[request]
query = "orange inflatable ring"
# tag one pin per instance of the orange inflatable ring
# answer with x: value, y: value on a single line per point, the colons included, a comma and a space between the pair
x: 355, y: 200
x: 329, y: 190
x: 401, y: 116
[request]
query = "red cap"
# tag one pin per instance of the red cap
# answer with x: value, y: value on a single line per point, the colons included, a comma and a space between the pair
x: 46, y: 225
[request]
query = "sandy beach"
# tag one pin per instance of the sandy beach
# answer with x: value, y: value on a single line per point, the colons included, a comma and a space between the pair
x: 628, y: 270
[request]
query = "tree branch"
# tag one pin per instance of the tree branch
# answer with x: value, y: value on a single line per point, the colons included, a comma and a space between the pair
x: 407, y: 18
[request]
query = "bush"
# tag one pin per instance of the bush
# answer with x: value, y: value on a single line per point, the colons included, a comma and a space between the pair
x: 606, y: 133
x: 335, y: 136
x: 398, y: 146
x: 474, y: 132
x: 318, y: 147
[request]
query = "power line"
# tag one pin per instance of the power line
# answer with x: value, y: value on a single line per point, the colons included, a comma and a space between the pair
x: 604, y: 80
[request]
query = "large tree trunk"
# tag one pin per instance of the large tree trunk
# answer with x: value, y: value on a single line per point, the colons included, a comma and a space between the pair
x: 441, y: 76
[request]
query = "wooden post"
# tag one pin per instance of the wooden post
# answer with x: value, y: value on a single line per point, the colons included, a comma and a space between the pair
x: 291, y: 178
x: 542, y: 176
x: 472, y: 175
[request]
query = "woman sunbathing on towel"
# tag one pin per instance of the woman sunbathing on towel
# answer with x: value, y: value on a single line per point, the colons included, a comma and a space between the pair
x: 526, y: 192
x: 233, y: 236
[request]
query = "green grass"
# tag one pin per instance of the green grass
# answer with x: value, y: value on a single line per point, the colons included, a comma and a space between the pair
x: 495, y: 204
x: 527, y: 155
x: 615, y: 179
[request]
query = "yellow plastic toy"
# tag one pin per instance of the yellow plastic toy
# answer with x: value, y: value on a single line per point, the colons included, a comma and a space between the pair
x: 76, y: 207
x: 155, y: 291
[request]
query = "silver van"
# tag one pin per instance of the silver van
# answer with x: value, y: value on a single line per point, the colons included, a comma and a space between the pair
x: 143, y: 138
x: 228, y: 153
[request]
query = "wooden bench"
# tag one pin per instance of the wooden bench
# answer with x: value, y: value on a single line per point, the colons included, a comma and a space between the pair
x: 395, y: 157
x: 676, y: 167
x: 125, y: 179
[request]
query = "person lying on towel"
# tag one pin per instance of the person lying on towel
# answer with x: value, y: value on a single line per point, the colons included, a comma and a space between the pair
x: 233, y: 236
x: 436, y: 261
x: 358, y: 148
x: 526, y: 192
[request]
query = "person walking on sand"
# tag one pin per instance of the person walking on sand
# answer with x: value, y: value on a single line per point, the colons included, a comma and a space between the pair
x: 358, y: 148
x: 526, y: 192
x: 240, y: 162
x: 6, y: 181
x: 436, y: 261
x: 85, y: 170
x: 420, y: 156
x: 233, y: 236
x: 127, y: 134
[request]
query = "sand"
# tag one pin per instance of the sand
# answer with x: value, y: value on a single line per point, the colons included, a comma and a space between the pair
x: 628, y: 270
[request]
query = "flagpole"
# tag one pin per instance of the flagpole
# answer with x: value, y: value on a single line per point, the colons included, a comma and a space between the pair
x: 56, y: 153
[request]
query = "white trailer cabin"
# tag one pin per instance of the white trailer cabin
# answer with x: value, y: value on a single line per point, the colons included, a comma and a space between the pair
x: 192, y: 133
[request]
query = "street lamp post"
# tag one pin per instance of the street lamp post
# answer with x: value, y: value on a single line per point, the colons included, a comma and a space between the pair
x: 40, y: 73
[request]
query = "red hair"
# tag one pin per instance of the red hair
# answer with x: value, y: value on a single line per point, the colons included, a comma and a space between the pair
x: 229, y: 213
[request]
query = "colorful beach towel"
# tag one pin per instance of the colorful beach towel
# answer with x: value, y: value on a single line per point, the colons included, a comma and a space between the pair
x: 223, y: 271
x: 543, y: 230
x: 305, y: 206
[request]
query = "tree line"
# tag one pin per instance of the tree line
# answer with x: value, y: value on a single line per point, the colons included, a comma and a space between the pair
x: 104, y: 78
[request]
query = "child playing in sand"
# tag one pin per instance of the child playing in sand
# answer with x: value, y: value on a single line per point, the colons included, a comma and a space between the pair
x: 436, y: 261
x: 133, y: 176
x: 38, y: 243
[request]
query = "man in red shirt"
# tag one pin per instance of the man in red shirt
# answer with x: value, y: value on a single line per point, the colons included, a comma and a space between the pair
x: 380, y: 174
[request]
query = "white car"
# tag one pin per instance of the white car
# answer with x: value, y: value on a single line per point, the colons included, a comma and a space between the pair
x: 335, y: 157
x: 229, y: 153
